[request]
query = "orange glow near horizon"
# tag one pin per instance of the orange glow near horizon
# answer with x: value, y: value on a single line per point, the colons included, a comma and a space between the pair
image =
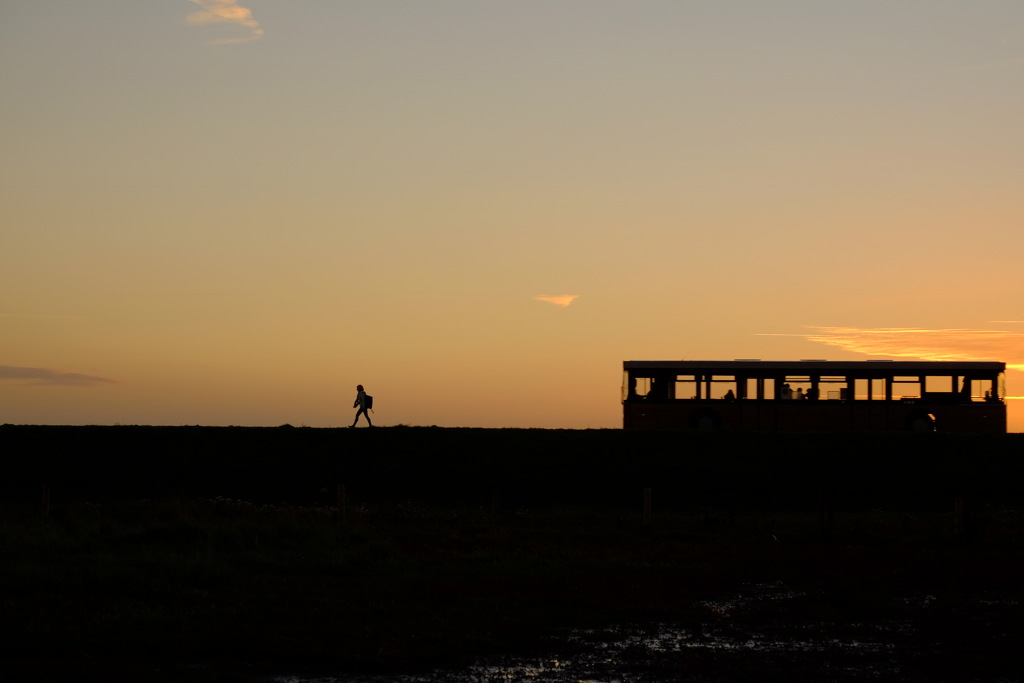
x: 241, y: 217
x: 925, y: 344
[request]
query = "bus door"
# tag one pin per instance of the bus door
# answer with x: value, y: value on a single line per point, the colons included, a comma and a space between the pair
x: 869, y: 408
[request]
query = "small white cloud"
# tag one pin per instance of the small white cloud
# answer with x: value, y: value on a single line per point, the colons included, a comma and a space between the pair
x: 226, y: 12
x: 562, y: 300
x: 50, y: 377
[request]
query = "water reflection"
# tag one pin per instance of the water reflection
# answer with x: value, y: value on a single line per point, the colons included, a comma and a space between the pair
x: 628, y: 654
x: 728, y: 644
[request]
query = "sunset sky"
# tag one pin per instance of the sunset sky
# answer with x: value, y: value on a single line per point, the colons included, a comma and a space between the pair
x: 219, y: 212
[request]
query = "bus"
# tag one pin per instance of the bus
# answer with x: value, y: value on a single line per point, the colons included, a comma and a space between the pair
x: 814, y: 395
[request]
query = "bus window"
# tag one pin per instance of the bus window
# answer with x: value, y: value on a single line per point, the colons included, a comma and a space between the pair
x: 833, y: 388
x: 906, y: 387
x: 861, y: 389
x: 877, y: 392
x: 985, y: 390
x: 974, y: 389
x: 938, y: 385
x: 686, y: 386
x: 795, y: 387
x: 749, y: 387
x: 721, y: 386
x: 768, y: 389
x: 869, y: 390
x: 642, y: 387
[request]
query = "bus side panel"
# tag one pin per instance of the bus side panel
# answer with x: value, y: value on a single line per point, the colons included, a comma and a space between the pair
x: 971, y: 417
x: 724, y: 415
x: 813, y: 416
x: 770, y: 416
x: 759, y: 416
x: 869, y: 415
x: 656, y: 415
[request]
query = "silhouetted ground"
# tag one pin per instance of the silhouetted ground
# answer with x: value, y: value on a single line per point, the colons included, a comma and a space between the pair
x: 189, y: 553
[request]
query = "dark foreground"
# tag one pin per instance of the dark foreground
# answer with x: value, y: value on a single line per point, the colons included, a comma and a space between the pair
x: 234, y: 554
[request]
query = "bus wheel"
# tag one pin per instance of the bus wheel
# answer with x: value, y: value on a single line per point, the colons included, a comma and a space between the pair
x: 921, y: 423
x: 706, y: 421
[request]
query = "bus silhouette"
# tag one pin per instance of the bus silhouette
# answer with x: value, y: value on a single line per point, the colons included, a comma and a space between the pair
x: 814, y: 395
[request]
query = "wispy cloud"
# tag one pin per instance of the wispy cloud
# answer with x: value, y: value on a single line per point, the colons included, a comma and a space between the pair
x: 926, y: 344
x: 559, y: 300
x: 47, y: 376
x: 226, y: 12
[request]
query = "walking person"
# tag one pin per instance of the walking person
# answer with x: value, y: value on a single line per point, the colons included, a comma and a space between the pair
x: 363, y: 402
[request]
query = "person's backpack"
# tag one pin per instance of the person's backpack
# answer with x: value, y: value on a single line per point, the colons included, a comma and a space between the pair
x: 369, y: 402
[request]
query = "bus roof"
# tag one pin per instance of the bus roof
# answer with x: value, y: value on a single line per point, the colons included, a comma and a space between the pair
x: 822, y: 366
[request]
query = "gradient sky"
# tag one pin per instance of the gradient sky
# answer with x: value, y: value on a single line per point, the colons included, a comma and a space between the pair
x: 219, y: 212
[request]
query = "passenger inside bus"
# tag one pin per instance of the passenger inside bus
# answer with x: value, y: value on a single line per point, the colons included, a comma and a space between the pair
x: 658, y: 390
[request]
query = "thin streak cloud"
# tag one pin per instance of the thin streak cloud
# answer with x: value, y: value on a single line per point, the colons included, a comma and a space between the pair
x: 46, y: 376
x: 559, y: 300
x: 945, y: 344
x: 226, y: 12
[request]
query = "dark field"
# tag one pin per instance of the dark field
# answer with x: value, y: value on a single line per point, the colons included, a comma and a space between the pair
x: 238, y: 554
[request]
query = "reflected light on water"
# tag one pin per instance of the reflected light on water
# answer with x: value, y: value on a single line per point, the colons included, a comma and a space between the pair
x: 741, y: 631
x: 657, y: 652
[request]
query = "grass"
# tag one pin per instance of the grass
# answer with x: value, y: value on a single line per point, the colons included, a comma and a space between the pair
x: 219, y: 555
